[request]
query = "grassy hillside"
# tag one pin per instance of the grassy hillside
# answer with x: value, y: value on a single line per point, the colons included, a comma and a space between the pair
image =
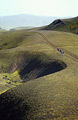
x: 21, y: 60
x: 43, y: 82
x: 66, y: 25
x: 2, y: 30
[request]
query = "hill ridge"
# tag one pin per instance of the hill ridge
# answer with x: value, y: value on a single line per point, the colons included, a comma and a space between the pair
x: 65, y: 25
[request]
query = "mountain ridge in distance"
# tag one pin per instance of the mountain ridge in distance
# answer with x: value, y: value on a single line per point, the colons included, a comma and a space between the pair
x: 25, y: 20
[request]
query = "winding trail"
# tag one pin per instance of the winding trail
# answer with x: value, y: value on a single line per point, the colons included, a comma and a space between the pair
x: 73, y: 56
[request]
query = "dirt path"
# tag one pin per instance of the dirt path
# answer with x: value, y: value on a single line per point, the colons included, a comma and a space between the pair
x: 73, y: 56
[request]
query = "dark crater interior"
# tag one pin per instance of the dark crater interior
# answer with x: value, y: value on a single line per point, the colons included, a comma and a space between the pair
x: 36, y: 68
x: 31, y: 65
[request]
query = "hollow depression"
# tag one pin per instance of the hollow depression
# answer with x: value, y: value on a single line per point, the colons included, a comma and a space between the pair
x: 37, y: 67
x: 31, y: 65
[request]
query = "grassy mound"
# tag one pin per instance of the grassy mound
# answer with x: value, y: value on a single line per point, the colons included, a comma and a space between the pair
x: 10, y: 40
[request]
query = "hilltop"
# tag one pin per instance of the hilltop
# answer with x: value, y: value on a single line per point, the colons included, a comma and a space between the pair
x: 66, y: 25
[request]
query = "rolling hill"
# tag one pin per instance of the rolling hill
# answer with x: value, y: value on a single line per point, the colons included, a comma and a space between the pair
x: 66, y: 25
x: 37, y: 82
x: 2, y: 30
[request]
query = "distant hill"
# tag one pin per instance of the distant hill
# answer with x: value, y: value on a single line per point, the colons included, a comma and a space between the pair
x: 2, y: 30
x: 25, y: 20
x: 20, y: 28
x: 66, y: 25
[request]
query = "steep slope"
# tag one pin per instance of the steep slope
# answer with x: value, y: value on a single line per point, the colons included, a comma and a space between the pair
x: 66, y: 25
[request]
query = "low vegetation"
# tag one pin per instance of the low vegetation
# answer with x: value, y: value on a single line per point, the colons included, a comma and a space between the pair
x: 36, y: 81
x: 66, y: 25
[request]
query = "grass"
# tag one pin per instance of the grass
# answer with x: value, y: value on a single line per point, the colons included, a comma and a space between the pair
x: 10, y: 40
x: 49, y: 97
x: 2, y: 31
x: 64, y: 40
x: 65, y: 25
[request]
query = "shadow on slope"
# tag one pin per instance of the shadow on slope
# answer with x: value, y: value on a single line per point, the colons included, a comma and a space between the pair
x: 12, y: 108
x: 37, y: 68
x: 29, y: 65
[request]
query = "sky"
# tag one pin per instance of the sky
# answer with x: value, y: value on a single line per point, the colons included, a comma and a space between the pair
x: 59, y: 8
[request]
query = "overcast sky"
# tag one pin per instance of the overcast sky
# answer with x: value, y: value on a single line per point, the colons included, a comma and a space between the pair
x: 60, y: 8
